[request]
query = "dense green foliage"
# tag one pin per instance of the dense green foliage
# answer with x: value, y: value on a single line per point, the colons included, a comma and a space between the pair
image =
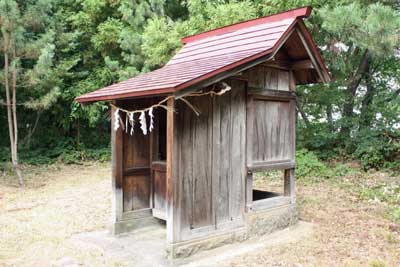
x: 67, y: 48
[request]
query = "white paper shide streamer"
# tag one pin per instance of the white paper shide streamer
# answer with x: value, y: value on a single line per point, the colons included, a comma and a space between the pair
x: 151, y: 127
x: 143, y: 124
x: 130, y: 115
x: 116, y: 119
x: 126, y: 123
x: 132, y: 122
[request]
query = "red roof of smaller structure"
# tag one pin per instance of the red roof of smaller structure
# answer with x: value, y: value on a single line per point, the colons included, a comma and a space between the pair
x: 207, y: 54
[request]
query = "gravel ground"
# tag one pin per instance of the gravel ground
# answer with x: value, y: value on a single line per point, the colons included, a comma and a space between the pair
x: 60, y: 201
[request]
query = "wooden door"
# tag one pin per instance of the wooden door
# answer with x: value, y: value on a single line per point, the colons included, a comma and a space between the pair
x: 159, y: 189
x: 136, y: 172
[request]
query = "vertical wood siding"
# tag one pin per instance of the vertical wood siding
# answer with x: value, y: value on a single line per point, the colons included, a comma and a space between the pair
x: 271, y: 116
x: 136, y: 167
x: 212, y: 160
x: 272, y: 134
x: 261, y: 77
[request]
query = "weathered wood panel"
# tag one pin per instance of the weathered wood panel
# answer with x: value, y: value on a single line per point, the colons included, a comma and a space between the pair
x: 262, y: 77
x: 272, y: 135
x: 222, y: 148
x: 195, y: 171
x: 159, y: 185
x: 202, y: 179
x: 136, y: 192
x: 211, y: 161
x: 136, y: 161
x: 237, y: 156
x: 136, y: 149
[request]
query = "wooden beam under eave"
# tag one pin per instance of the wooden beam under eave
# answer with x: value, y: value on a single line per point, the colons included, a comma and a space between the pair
x: 290, y: 65
x: 302, y: 64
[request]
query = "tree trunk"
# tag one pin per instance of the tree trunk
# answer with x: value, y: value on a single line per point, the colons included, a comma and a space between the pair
x: 11, y: 107
x: 329, y: 116
x: 7, y: 88
x: 14, y: 111
x: 354, y: 82
x: 366, y: 116
x: 303, y: 115
x: 28, y: 138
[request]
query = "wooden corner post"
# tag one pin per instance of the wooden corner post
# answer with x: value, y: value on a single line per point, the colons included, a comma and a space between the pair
x: 116, y: 171
x: 289, y: 190
x: 289, y: 174
x: 172, y: 183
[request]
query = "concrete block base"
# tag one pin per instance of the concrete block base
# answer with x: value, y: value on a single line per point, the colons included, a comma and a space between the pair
x: 134, y: 224
x: 257, y: 223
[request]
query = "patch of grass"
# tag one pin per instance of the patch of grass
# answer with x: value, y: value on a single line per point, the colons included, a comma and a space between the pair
x: 384, y: 192
x: 360, y: 184
x: 394, y: 214
x: 391, y: 238
x: 377, y: 263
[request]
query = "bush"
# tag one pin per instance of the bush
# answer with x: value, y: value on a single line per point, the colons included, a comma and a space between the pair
x: 77, y: 156
x: 308, y: 165
x: 64, y: 151
x: 376, y: 150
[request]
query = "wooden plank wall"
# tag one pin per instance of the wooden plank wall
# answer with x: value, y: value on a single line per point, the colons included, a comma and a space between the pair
x: 229, y: 153
x: 272, y: 131
x: 271, y: 124
x: 195, y: 156
x: 136, y: 187
x: 136, y: 164
x: 270, y: 117
x: 262, y: 77
x: 211, y: 161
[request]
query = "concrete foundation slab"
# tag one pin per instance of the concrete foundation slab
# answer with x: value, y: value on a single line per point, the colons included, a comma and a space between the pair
x: 147, y: 247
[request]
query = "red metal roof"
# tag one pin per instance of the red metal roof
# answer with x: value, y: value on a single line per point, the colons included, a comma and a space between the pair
x: 205, y: 55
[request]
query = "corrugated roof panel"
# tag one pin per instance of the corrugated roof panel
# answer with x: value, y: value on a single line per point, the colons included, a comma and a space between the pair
x: 204, y: 55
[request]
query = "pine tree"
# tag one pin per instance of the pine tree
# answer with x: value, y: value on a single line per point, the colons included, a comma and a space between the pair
x: 20, y: 21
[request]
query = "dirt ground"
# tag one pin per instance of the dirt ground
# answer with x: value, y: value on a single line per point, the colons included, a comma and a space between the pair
x: 60, y: 201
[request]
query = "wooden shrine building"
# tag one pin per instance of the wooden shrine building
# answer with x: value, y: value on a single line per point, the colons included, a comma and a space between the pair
x: 224, y: 109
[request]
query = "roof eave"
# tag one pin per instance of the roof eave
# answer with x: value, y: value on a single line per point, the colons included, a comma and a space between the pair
x: 309, y: 42
x: 88, y: 98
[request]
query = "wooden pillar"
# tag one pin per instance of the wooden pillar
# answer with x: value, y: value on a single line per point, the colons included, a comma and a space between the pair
x: 171, y: 179
x: 117, y: 170
x: 289, y: 190
x: 249, y: 190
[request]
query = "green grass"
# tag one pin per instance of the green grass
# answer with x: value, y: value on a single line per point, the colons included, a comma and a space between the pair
x: 310, y: 170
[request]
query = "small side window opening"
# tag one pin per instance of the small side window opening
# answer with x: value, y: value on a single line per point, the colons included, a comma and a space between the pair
x: 269, y: 189
x: 267, y: 184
